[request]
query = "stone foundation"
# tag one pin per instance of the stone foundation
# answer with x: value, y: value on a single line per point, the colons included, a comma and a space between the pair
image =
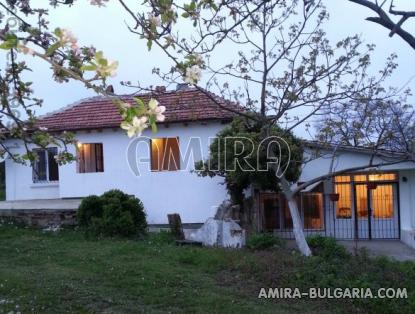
x: 39, y: 217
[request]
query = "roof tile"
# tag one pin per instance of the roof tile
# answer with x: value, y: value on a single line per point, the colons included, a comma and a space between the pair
x: 100, y: 112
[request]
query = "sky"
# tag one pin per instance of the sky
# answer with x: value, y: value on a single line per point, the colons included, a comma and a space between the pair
x: 105, y: 28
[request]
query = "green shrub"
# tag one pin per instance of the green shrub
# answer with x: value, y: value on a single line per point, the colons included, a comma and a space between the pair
x: 91, y: 206
x: 262, y: 241
x: 326, y: 247
x: 112, y: 214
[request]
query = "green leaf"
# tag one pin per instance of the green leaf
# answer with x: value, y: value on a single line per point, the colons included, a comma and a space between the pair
x: 10, y: 42
x: 88, y: 67
x: 152, y: 119
x: 53, y: 48
x: 58, y: 32
x: 154, y: 127
x: 141, y: 108
x: 149, y: 44
x: 99, y: 55
x: 102, y: 61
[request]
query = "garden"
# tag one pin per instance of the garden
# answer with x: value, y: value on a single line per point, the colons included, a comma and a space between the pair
x: 94, y: 268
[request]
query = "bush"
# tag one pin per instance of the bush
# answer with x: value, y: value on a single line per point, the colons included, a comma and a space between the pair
x: 262, y: 241
x: 112, y: 214
x: 91, y: 206
x: 326, y: 247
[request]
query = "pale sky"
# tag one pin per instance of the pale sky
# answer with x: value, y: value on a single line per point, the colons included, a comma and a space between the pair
x: 105, y: 29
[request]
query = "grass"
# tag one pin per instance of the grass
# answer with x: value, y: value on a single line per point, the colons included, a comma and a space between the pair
x: 68, y: 273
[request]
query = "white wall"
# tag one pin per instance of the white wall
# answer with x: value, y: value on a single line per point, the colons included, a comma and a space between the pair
x: 407, y: 206
x: 183, y: 192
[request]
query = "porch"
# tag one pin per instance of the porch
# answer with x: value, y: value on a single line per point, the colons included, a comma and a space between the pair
x: 393, y: 249
x: 361, y: 206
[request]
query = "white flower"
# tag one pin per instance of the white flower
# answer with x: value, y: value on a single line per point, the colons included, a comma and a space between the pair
x: 198, y: 59
x: 154, y: 20
x: 124, y: 105
x: 67, y: 37
x: 99, y: 3
x: 136, y: 126
x: 110, y: 69
x: 26, y: 50
x: 157, y: 110
x: 193, y: 74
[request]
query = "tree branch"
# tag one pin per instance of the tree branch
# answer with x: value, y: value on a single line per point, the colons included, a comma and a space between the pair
x: 384, y: 20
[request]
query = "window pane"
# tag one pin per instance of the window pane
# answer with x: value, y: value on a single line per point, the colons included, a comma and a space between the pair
x: 52, y: 164
x: 382, y: 201
x: 361, y: 200
x: 99, y: 157
x: 343, y: 205
x: 165, y: 154
x: 271, y: 210
x: 342, y: 179
x: 90, y: 158
x: 360, y: 178
x: 382, y: 177
x: 286, y: 215
x: 90, y: 161
x: 313, y: 210
x: 39, y: 169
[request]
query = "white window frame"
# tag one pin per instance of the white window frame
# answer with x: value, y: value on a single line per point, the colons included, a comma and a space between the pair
x: 46, y: 153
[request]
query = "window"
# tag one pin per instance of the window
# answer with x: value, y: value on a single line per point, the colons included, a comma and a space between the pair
x: 165, y: 154
x: 275, y: 211
x: 45, y: 168
x: 90, y: 157
x: 381, y: 201
x: 312, y: 204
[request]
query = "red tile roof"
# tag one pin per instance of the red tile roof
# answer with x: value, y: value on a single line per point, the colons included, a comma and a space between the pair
x: 99, y: 112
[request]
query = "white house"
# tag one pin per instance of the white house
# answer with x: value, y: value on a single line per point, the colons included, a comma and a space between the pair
x: 363, y: 205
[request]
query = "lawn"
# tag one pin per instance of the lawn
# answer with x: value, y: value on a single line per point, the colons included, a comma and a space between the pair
x: 65, y: 272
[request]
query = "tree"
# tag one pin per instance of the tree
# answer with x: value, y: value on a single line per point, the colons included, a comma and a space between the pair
x: 249, y: 166
x: 385, y: 18
x: 24, y: 31
x: 282, y: 67
x: 388, y: 125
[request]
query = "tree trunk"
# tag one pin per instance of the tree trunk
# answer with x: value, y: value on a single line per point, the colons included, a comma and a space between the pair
x: 295, y: 215
x: 292, y: 205
x: 298, y: 228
